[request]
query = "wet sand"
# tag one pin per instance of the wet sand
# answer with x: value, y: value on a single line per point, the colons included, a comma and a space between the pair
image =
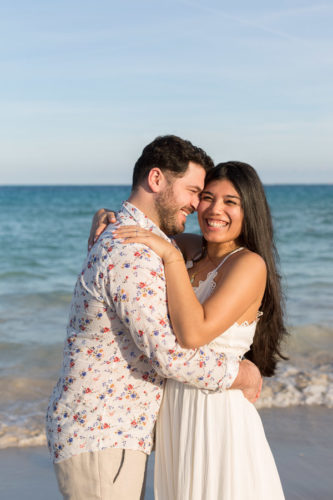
x: 301, y: 439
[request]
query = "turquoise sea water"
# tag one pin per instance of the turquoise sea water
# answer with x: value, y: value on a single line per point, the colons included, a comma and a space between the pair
x: 43, y: 234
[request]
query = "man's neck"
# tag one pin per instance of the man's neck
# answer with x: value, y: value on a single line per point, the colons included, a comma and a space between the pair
x: 145, y: 203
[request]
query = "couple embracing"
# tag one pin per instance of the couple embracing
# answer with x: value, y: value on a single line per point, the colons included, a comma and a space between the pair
x: 158, y: 333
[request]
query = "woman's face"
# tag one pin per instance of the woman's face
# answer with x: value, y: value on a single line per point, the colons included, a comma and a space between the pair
x: 220, y: 212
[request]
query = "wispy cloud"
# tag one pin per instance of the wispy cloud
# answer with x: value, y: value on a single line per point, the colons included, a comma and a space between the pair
x: 307, y: 10
x: 257, y: 24
x: 248, y: 79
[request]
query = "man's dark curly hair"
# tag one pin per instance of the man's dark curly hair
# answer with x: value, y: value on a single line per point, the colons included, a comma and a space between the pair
x: 169, y: 153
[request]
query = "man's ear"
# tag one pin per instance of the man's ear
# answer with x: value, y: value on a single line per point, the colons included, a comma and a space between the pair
x: 156, y: 180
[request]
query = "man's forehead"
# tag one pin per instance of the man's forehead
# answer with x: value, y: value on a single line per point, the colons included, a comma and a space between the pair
x: 194, y: 175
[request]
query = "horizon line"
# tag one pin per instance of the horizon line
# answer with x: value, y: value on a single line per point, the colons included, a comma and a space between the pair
x: 129, y: 185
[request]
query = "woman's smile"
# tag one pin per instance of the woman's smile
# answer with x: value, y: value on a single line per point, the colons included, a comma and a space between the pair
x: 220, y: 212
x: 215, y: 223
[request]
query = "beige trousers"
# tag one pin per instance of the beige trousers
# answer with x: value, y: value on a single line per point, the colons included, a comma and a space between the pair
x: 110, y: 474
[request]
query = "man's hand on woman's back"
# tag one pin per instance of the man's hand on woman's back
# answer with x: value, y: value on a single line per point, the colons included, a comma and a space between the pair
x: 248, y: 380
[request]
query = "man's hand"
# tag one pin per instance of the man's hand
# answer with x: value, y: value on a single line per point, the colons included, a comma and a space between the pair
x: 100, y: 222
x: 248, y: 380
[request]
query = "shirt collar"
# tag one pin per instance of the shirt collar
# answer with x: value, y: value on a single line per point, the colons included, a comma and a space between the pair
x: 131, y: 211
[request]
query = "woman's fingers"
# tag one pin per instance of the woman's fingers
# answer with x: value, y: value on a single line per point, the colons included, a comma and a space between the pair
x: 132, y: 227
x: 100, y: 222
x: 111, y: 217
x: 95, y: 233
x: 131, y: 231
x: 99, y: 231
x: 136, y: 234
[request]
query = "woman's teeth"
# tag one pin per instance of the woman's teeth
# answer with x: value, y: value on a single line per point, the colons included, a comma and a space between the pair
x: 216, y: 223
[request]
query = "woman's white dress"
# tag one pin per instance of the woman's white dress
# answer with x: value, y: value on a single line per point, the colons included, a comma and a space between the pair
x: 212, y: 446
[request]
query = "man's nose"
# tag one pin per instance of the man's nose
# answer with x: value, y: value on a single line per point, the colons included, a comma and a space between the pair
x: 195, y: 202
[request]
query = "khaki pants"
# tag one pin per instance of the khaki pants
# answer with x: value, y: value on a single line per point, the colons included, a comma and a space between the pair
x: 110, y: 474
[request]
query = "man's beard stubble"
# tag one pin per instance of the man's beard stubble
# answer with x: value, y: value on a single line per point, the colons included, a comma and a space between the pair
x: 168, y: 213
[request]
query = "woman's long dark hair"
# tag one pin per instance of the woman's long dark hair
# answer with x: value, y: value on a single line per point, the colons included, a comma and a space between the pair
x: 257, y: 235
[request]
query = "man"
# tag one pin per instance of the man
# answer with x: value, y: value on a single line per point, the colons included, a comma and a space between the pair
x: 120, y: 345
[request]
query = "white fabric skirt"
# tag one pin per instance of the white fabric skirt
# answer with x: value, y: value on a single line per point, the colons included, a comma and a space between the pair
x: 212, y: 446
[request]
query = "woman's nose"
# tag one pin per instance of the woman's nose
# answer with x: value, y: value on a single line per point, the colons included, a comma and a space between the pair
x: 217, y: 207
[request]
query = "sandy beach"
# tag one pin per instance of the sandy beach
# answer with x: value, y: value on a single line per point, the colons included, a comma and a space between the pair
x: 301, y: 439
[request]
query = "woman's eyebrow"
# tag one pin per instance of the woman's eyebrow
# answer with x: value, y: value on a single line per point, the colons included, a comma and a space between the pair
x: 205, y: 191
x: 232, y: 196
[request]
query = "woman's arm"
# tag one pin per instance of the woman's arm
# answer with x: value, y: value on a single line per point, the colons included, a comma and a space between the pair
x: 190, y: 244
x: 241, y: 286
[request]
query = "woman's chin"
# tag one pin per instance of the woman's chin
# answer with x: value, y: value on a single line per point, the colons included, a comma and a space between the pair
x: 213, y: 237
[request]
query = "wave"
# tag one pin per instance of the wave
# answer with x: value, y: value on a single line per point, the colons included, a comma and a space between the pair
x: 23, y: 428
x: 292, y: 386
x: 25, y: 315
x: 53, y: 299
x: 310, y: 341
x: 305, y: 379
x: 19, y: 437
x: 22, y: 422
x: 21, y: 275
x: 23, y: 425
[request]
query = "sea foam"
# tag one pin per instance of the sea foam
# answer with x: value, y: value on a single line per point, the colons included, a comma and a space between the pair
x: 305, y: 379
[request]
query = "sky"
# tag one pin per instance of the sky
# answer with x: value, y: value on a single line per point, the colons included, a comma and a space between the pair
x: 85, y: 85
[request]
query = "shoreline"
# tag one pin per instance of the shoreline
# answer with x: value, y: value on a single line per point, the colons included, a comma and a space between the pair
x: 300, y: 437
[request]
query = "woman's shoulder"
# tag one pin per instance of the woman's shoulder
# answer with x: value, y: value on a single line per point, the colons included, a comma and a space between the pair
x: 246, y: 263
x: 251, y: 258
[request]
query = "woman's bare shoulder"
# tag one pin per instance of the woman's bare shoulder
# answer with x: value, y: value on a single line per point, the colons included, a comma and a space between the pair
x: 246, y: 263
x: 252, y: 258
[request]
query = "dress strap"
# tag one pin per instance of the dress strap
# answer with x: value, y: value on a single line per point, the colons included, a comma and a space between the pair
x: 227, y: 257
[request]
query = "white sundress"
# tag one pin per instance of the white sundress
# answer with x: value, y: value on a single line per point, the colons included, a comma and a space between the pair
x: 212, y: 446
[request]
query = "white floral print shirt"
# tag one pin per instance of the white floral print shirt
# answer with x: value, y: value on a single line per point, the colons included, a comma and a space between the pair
x: 119, y: 349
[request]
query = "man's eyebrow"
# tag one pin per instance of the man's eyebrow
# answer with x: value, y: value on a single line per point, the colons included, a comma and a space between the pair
x: 197, y: 188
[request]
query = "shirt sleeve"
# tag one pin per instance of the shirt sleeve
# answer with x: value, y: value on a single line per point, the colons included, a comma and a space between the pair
x: 137, y: 289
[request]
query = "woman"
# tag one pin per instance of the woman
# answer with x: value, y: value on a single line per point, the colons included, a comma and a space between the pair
x: 212, y: 445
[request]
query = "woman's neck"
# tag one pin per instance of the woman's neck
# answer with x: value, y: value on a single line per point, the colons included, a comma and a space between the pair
x: 216, y: 251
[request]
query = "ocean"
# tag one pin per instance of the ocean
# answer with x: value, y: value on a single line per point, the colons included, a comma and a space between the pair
x: 44, y: 233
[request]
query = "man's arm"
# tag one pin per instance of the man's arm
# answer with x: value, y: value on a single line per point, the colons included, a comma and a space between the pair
x: 138, y: 292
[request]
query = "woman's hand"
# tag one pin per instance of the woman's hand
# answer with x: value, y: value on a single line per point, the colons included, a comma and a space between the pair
x: 136, y: 234
x: 100, y: 222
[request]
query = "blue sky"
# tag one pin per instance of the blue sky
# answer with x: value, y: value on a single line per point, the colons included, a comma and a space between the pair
x: 85, y: 85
